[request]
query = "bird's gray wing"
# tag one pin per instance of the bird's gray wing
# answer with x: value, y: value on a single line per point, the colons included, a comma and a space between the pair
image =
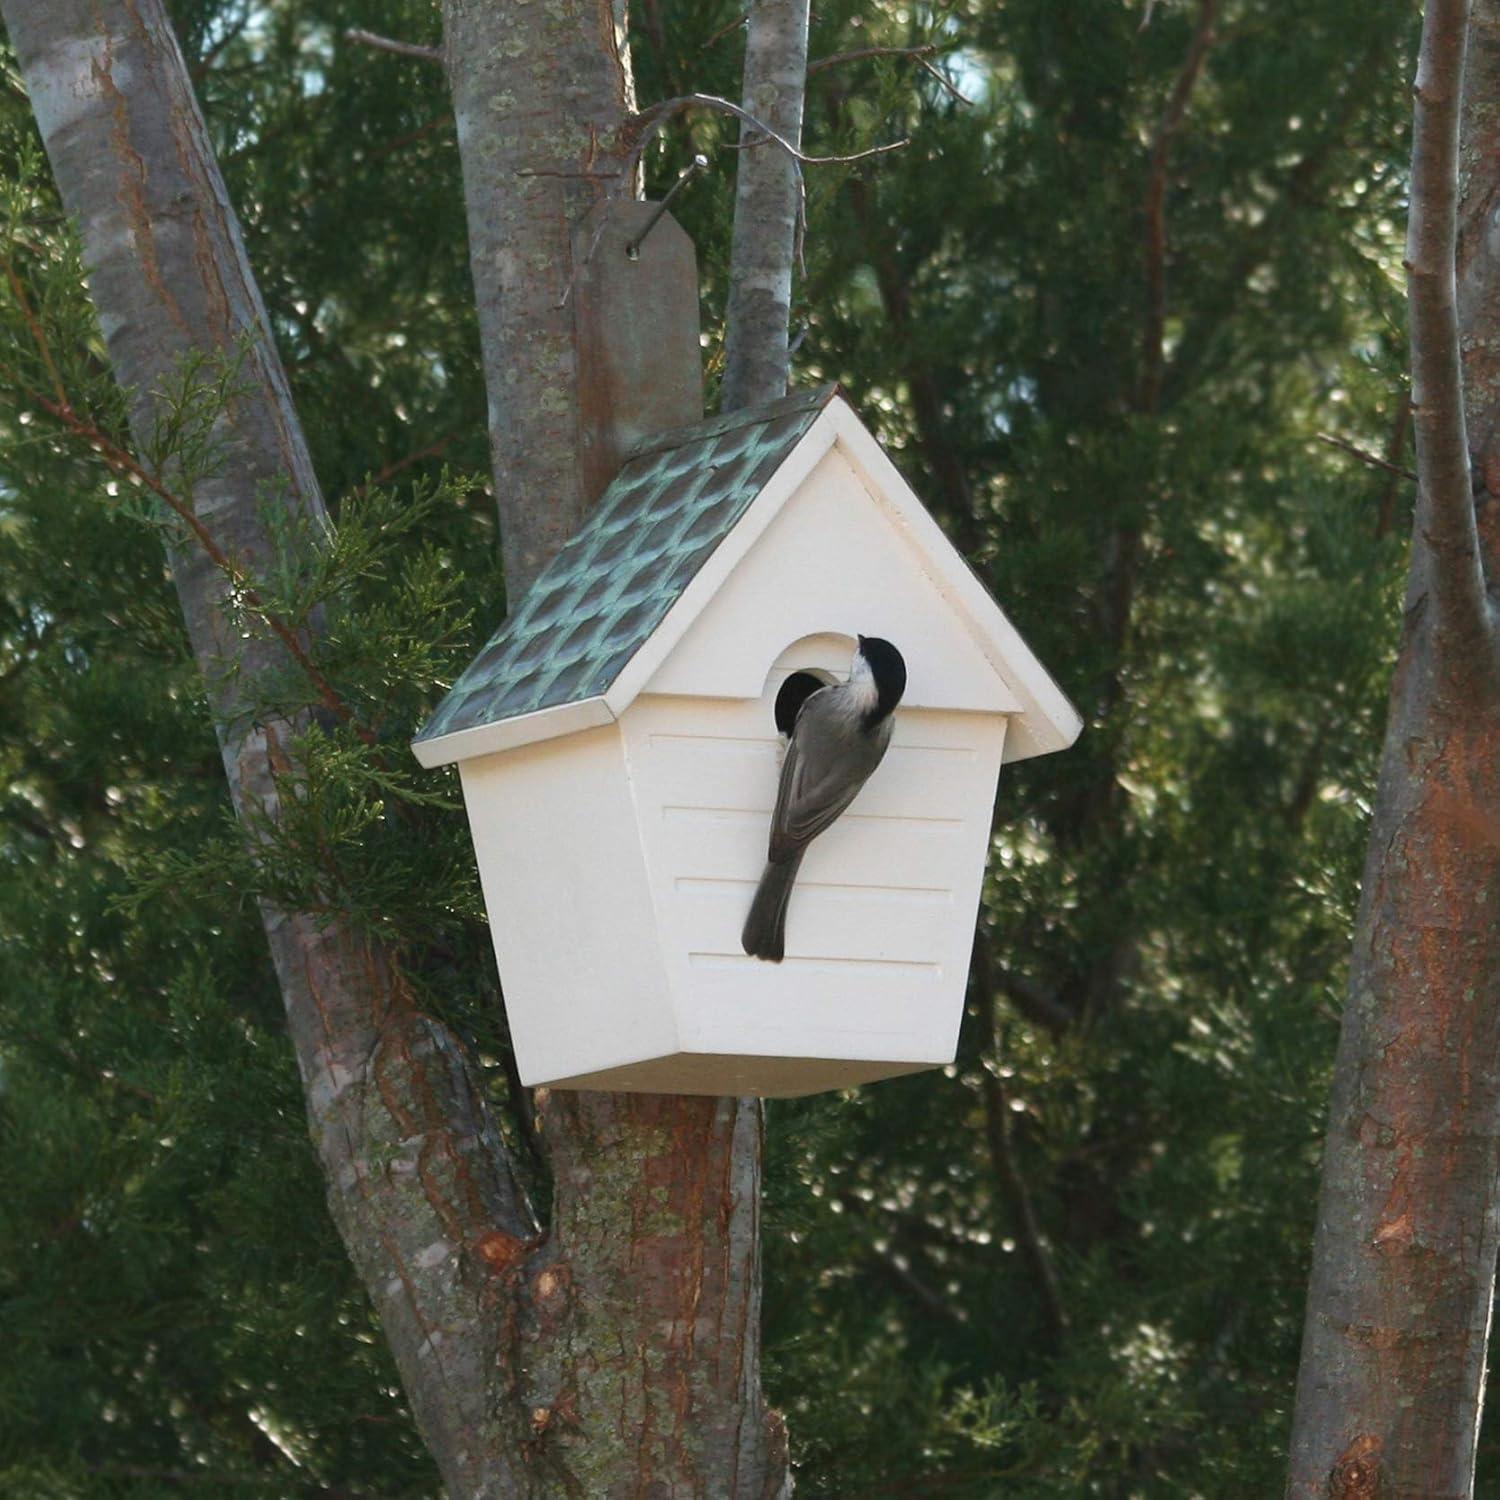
x: 826, y: 763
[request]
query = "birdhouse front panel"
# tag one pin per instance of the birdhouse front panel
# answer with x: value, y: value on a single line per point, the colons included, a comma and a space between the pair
x: 880, y: 923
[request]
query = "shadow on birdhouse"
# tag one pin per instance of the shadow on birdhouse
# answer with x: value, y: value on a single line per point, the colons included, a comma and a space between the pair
x: 618, y: 746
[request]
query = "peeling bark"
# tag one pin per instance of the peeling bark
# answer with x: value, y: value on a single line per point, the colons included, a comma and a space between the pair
x: 1393, y: 1361
x: 757, y: 358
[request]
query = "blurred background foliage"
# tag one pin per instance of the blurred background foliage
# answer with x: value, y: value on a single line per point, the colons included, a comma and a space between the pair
x: 1073, y: 1263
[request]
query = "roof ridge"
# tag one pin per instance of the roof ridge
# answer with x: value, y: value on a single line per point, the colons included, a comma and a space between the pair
x: 744, y: 416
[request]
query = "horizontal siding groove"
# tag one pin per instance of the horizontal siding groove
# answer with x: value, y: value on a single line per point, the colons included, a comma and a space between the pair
x: 936, y: 895
x: 814, y: 960
x: 673, y: 813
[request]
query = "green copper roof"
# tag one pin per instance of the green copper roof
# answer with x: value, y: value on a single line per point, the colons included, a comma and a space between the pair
x: 674, y: 500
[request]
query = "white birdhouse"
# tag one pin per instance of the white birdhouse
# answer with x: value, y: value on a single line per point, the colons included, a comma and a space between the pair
x: 619, y: 756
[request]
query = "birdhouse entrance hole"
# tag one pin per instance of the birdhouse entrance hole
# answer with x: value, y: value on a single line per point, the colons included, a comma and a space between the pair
x: 806, y: 665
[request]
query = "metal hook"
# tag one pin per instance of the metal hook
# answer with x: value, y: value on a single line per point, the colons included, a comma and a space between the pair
x: 633, y: 249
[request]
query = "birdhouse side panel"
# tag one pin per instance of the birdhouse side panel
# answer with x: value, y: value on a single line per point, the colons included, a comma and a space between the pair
x: 881, y: 920
x: 570, y: 905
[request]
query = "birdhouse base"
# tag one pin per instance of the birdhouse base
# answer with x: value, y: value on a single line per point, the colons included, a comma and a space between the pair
x: 736, y: 1073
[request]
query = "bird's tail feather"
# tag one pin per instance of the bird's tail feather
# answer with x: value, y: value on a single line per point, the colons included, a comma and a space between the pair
x: 765, y: 928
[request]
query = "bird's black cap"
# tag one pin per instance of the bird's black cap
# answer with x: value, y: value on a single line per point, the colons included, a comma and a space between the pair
x: 888, y: 668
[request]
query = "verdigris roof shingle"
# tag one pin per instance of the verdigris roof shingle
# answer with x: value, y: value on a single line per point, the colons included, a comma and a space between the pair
x: 674, y: 500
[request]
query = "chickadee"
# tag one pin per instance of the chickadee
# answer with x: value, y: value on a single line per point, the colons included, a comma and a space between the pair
x: 839, y: 734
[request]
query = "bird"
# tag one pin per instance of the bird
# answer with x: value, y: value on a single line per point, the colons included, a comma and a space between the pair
x: 839, y: 733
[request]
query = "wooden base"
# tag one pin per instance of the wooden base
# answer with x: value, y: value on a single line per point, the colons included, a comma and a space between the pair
x: 734, y: 1073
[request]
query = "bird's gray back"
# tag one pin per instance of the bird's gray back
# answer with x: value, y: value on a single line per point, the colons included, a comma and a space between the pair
x: 830, y: 757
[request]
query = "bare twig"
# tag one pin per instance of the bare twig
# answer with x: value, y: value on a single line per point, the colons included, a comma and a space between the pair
x: 411, y: 137
x: 860, y: 53
x: 921, y: 55
x: 210, y: 57
x: 931, y: 67
x: 390, y: 470
x: 1386, y: 516
x: 1445, y: 524
x: 907, y: 1281
x: 568, y: 176
x: 1035, y: 1003
x: 656, y: 32
x: 698, y: 163
x: 1365, y: 456
x: 725, y: 29
x: 650, y: 122
x: 1152, y: 349
x: 388, y: 44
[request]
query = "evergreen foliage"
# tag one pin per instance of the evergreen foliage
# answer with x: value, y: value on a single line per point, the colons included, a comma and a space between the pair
x: 1074, y: 1263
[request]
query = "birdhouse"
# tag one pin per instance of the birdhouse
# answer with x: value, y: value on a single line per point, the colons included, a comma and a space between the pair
x: 618, y: 748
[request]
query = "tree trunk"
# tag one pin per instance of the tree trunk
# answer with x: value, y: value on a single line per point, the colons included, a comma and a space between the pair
x: 647, y: 1367
x: 1393, y: 1361
x: 766, y: 207
x: 619, y: 1354
x: 417, y: 1182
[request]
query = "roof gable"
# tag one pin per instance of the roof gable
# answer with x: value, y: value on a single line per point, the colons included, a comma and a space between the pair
x: 680, y: 517
x: 834, y: 562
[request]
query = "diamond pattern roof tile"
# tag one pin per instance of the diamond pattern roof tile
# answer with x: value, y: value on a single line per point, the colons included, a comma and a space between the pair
x: 674, y: 500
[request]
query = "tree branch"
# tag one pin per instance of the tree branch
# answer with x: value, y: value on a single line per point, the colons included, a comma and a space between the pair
x: 387, y: 44
x: 769, y: 207
x: 1365, y: 456
x: 121, y: 462
x: 723, y: 31
x: 920, y: 55
x: 859, y: 54
x: 905, y: 1280
x: 651, y: 121
x: 1386, y: 515
x: 999, y: 1136
x: 1300, y: 187
x: 1445, y: 534
x: 389, y: 471
x: 1152, y: 337
x: 646, y: 125
x: 1036, y: 1004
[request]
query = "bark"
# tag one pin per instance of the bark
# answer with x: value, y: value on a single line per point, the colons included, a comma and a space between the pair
x: 643, y: 1323
x: 1478, y: 271
x: 1393, y: 1362
x: 757, y: 358
x: 538, y: 147
x: 417, y: 1182
x: 619, y: 1354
